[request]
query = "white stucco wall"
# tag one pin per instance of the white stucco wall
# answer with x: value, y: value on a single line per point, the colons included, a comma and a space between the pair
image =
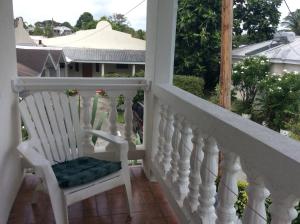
x: 10, y: 166
x: 109, y: 68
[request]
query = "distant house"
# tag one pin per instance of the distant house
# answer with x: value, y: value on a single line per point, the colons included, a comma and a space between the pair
x: 40, y: 62
x: 62, y: 31
x: 101, y: 51
x: 283, y: 52
x: 21, y: 35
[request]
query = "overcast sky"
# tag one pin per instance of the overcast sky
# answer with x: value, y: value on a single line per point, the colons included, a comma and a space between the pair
x: 70, y: 10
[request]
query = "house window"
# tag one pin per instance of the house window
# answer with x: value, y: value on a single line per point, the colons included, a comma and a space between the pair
x: 62, y: 65
x: 76, y: 67
x: 97, y: 67
x: 122, y: 66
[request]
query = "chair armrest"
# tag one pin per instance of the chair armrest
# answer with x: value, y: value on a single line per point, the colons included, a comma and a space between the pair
x: 31, y: 155
x: 120, y: 142
x: 107, y: 137
x: 26, y: 148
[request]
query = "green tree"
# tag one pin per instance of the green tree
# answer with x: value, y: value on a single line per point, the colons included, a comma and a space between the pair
x: 85, y: 21
x: 38, y: 31
x: 67, y: 24
x: 48, y: 32
x: 198, y: 40
x: 257, y: 18
x: 292, y: 21
x: 246, y: 79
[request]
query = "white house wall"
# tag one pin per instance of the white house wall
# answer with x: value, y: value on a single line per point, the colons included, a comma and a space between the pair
x: 10, y: 165
x: 109, y: 69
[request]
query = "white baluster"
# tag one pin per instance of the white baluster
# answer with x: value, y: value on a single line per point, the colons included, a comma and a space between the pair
x: 173, y: 172
x: 185, y: 147
x: 87, y: 145
x: 128, y: 119
x: 161, y: 139
x: 191, y: 202
x: 228, y: 190
x: 207, y: 189
x: 165, y: 163
x: 113, y: 128
x: 255, y: 211
x: 282, y: 208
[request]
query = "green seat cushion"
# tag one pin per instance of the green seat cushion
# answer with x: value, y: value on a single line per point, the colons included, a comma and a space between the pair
x: 83, y: 170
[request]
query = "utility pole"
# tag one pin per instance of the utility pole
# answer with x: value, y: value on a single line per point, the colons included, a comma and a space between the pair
x: 226, y: 54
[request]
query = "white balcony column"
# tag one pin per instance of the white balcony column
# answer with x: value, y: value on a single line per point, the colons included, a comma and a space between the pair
x: 128, y: 116
x: 209, y: 169
x: 102, y: 69
x: 58, y: 70
x: 228, y: 189
x: 133, y: 70
x: 47, y: 72
x: 161, y: 33
x: 172, y: 175
x: 283, y: 207
x: 161, y: 139
x: 185, y: 148
x: 257, y: 194
x: 10, y: 166
x: 167, y: 148
x: 86, y: 119
x: 66, y: 70
x: 191, y: 202
x: 113, y: 128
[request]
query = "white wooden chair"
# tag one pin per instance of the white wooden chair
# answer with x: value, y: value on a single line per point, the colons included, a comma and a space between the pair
x: 52, y: 121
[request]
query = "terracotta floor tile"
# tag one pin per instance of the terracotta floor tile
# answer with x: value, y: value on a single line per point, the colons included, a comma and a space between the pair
x: 149, y: 205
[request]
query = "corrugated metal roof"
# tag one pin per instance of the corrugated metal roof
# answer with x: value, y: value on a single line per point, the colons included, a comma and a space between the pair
x: 280, y: 53
x: 104, y: 55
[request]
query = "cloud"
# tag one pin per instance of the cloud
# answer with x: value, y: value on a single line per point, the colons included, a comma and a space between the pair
x: 70, y: 10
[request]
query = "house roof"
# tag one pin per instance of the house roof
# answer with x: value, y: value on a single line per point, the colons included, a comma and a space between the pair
x: 103, y: 37
x: 105, y: 55
x: 288, y: 53
x: 32, y: 60
x: 21, y: 35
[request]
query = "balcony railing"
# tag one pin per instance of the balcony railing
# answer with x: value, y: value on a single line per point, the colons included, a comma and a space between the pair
x: 188, y: 135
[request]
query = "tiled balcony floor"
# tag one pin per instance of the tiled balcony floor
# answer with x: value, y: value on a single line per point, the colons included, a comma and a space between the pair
x: 150, y: 206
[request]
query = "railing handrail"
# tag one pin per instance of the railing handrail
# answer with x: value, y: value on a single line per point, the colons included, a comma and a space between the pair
x: 273, y: 155
x: 37, y: 83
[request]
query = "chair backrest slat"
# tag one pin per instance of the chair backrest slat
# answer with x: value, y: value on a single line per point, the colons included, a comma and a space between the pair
x: 27, y: 119
x: 39, y: 127
x: 61, y: 124
x: 74, y: 101
x: 52, y: 118
x: 53, y: 122
x: 68, y: 121
x: 45, y: 121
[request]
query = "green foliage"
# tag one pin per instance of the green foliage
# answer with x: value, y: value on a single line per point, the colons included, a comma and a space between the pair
x: 97, y: 123
x: 191, y: 84
x: 85, y: 21
x: 292, y: 21
x: 242, y: 199
x: 38, y: 31
x: 246, y: 77
x: 198, y: 40
x: 48, y: 32
x: 279, y: 100
x: 257, y: 18
x: 67, y: 24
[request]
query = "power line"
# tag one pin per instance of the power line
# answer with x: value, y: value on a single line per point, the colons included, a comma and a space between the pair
x: 287, y: 6
x: 99, y: 30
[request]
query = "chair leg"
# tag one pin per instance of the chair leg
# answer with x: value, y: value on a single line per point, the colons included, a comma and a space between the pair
x: 127, y: 182
x: 59, y: 207
x: 37, y: 189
